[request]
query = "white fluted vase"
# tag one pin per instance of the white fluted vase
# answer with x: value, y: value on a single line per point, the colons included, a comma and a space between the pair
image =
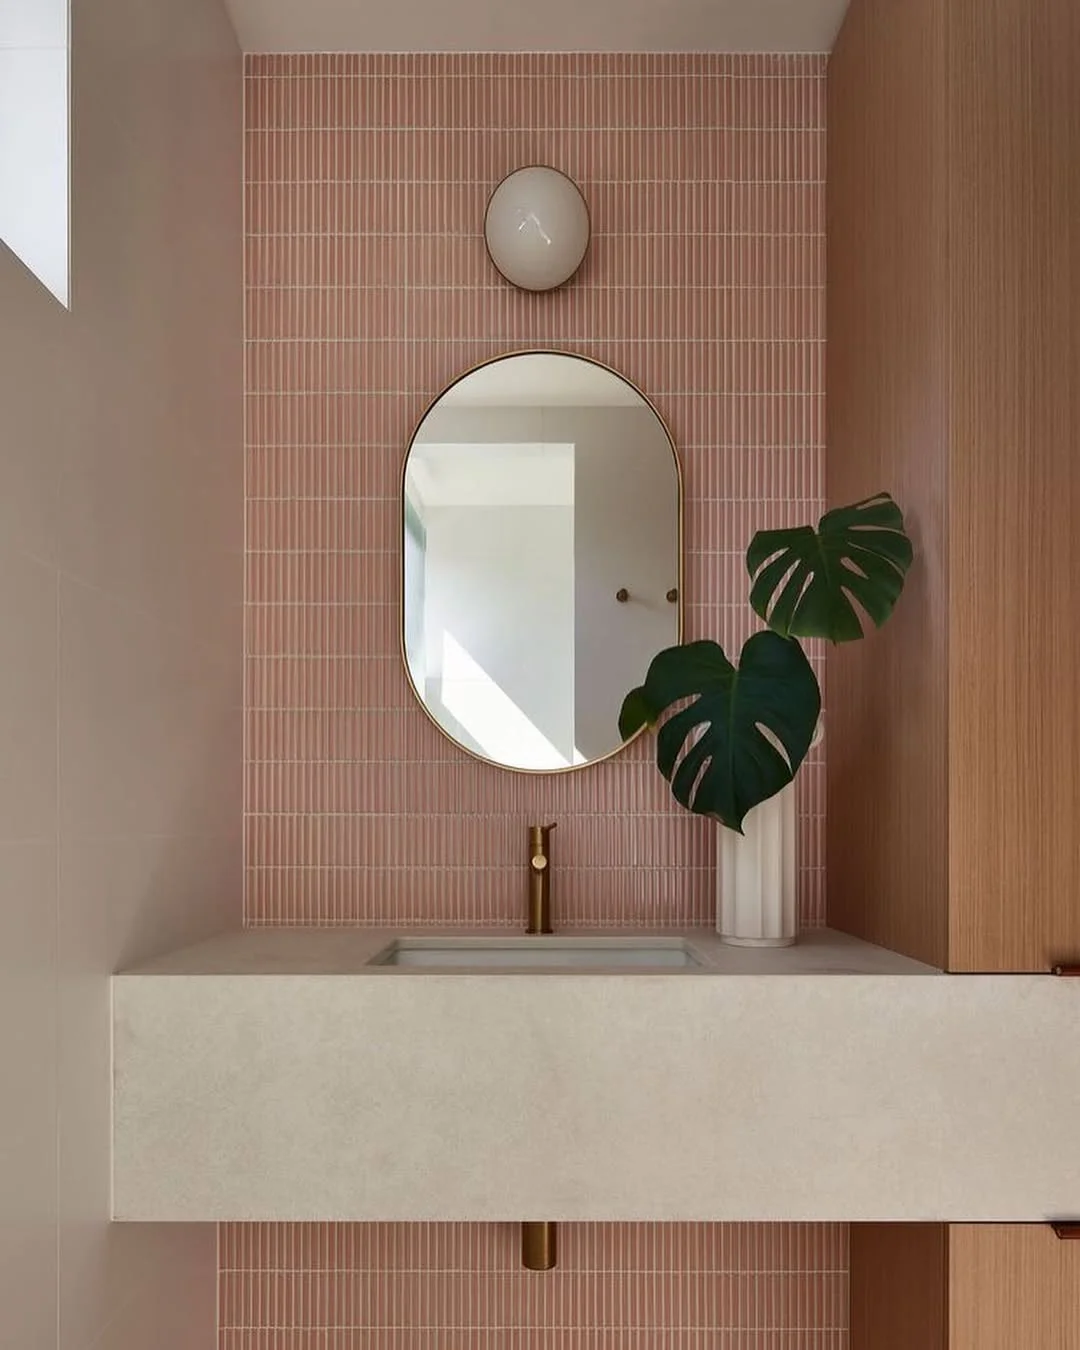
x: 755, y: 876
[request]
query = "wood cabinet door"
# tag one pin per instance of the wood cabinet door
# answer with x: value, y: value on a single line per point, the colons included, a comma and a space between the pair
x: 1013, y: 1287
x: 898, y: 1286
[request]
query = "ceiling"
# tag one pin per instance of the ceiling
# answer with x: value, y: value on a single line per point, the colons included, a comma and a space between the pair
x: 528, y: 26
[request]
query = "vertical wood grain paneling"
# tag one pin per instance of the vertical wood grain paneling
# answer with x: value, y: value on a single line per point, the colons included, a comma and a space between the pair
x: 953, y: 306
x: 963, y: 1287
x: 899, y: 1294
x: 1014, y: 595
x: 1012, y: 1287
x: 887, y: 427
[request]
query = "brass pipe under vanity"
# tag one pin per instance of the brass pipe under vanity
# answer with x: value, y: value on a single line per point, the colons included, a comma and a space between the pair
x: 538, y: 1246
x: 538, y: 1240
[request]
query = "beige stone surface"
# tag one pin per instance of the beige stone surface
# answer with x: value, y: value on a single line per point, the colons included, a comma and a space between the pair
x: 345, y: 951
x: 428, y: 1096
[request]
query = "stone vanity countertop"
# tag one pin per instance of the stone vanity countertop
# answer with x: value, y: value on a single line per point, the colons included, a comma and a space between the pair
x: 350, y: 951
x: 275, y: 1075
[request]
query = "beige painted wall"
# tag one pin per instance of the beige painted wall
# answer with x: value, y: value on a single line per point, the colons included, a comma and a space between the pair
x: 120, y: 587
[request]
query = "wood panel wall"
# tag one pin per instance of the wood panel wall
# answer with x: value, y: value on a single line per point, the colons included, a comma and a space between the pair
x: 899, y: 1286
x: 954, y: 382
x: 1014, y: 585
x: 933, y: 1286
x: 1011, y: 1287
x: 887, y: 428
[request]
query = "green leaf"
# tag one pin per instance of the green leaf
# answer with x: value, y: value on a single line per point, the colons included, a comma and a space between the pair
x: 720, y: 753
x: 637, y: 712
x: 806, y: 581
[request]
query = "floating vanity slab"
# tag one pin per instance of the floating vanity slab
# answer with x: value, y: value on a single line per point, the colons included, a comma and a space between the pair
x: 300, y: 1074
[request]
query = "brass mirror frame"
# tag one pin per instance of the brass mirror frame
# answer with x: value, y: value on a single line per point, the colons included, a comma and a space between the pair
x: 680, y: 618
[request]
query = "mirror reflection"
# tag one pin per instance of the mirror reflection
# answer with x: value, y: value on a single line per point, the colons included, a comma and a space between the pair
x: 541, y: 520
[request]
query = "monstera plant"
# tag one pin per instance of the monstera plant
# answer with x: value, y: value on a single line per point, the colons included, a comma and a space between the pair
x: 732, y: 736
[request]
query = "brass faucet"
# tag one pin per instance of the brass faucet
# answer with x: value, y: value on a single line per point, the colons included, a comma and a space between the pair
x: 538, y: 1240
x: 540, y: 879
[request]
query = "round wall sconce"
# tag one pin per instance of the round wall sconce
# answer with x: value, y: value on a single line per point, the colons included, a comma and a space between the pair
x: 537, y: 228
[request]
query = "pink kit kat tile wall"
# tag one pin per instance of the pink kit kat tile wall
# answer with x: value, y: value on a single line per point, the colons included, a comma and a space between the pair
x: 368, y: 290
x: 693, y: 1286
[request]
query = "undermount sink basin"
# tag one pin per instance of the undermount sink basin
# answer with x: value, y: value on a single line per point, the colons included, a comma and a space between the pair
x: 539, y: 953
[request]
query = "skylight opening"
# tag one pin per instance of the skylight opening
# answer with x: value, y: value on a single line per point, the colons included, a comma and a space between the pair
x: 35, y: 138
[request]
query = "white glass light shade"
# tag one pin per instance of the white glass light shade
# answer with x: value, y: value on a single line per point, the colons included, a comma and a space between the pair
x: 537, y: 228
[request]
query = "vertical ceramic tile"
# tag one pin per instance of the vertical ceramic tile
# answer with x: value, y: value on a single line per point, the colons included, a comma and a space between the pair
x: 685, y: 1286
x: 368, y: 289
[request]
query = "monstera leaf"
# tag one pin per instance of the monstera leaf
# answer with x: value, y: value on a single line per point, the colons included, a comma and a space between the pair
x: 806, y: 580
x: 720, y: 753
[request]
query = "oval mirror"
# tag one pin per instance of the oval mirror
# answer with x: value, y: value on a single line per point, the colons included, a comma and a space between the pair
x: 541, y: 522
